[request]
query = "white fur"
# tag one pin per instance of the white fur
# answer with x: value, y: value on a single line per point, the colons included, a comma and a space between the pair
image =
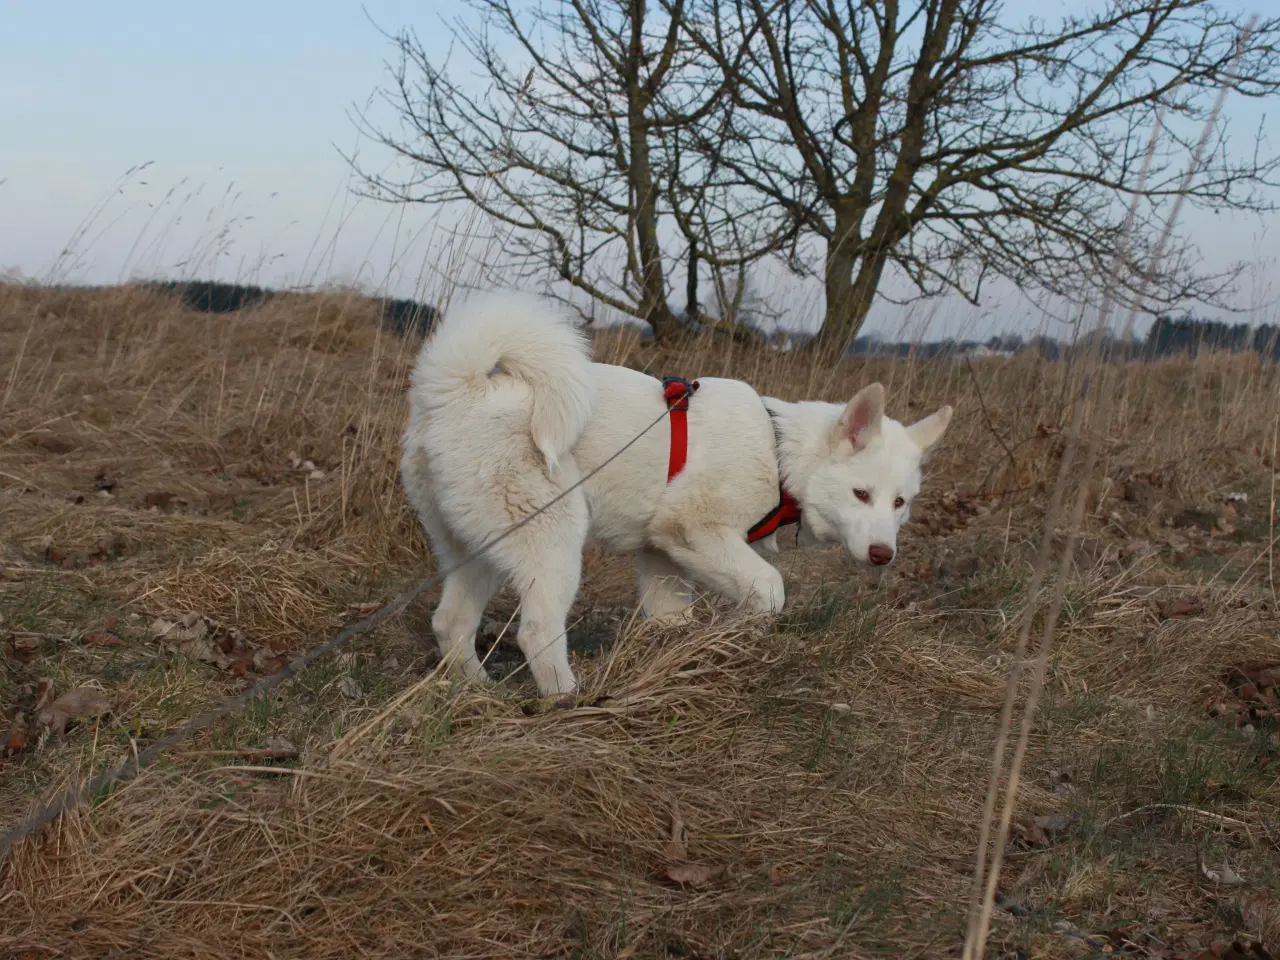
x: 507, y: 412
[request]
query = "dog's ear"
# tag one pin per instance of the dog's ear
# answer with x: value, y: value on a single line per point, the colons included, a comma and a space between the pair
x: 860, y: 419
x: 927, y: 432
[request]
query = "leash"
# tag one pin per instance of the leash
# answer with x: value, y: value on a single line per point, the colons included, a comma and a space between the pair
x: 132, y: 766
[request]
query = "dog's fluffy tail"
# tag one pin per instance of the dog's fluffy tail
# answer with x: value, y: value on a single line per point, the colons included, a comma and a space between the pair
x: 526, y: 339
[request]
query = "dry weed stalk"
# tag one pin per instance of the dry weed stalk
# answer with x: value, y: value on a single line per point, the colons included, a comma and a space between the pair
x: 75, y: 796
x: 544, y: 832
x: 986, y: 878
x: 735, y: 725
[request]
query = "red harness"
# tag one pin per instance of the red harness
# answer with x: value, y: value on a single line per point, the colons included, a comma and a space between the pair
x: 677, y: 393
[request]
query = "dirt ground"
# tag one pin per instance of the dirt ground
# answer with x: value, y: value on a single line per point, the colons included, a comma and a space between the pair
x: 186, y: 501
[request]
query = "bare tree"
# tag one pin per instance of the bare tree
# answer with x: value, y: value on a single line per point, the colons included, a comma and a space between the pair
x: 945, y: 138
x: 577, y: 147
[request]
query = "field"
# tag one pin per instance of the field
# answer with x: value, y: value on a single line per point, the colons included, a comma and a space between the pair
x: 811, y: 787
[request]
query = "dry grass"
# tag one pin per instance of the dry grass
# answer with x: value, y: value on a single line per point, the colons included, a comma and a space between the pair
x: 152, y: 462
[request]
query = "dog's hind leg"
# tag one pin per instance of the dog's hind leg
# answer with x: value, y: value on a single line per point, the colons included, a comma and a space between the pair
x: 664, y: 593
x: 723, y: 561
x: 544, y: 561
x: 466, y: 593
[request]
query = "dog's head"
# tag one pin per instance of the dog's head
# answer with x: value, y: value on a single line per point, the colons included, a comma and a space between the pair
x: 860, y: 492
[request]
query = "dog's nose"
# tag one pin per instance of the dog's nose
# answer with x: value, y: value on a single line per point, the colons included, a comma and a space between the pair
x: 880, y: 553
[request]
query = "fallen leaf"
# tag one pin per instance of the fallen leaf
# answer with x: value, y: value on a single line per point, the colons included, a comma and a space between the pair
x: 958, y: 568
x: 1259, y: 909
x: 66, y: 559
x: 349, y: 687
x: 43, y: 694
x: 102, y: 636
x: 1030, y: 832
x: 267, y: 662
x: 23, y: 647
x: 16, y: 740
x: 1137, y: 550
x: 161, y: 501
x: 1261, y: 675
x: 1181, y: 607
x: 204, y: 651
x: 190, y: 626
x: 274, y: 748
x: 1011, y: 906
x: 1060, y: 783
x: 79, y: 703
x: 239, y: 667
x: 779, y: 873
x: 695, y: 874
x: 108, y: 548
x: 1224, y: 875
x: 1235, y: 950
x: 1057, y: 822
x: 199, y: 638
x: 1252, y: 697
x: 677, y: 845
x: 1039, y: 831
x: 1067, y: 929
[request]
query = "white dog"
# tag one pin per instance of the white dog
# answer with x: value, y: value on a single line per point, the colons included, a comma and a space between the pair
x: 508, y: 412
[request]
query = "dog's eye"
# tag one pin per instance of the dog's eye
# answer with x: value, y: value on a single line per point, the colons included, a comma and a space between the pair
x: 899, y: 503
x: 862, y: 495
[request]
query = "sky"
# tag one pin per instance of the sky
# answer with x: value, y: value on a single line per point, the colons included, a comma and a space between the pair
x: 199, y: 139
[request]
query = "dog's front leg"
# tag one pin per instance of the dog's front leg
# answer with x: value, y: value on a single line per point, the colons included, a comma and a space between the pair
x: 665, y: 595
x: 723, y: 561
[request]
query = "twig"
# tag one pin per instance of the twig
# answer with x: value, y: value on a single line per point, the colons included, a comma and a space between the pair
x: 343, y: 746
x: 982, y: 404
x: 247, y: 753
x: 1181, y: 808
x: 985, y: 880
x: 133, y: 765
x: 984, y: 894
x: 1271, y: 515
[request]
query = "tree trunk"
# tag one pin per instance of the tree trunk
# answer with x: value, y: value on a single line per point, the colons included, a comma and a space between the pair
x: 692, y: 313
x: 848, y: 297
x: 653, y: 288
x: 849, y: 300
